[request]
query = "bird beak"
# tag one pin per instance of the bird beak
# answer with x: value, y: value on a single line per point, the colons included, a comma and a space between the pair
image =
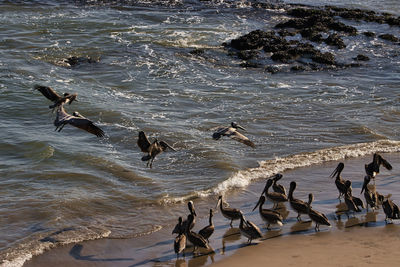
x: 240, y: 127
x: 219, y: 200
x: 258, y: 203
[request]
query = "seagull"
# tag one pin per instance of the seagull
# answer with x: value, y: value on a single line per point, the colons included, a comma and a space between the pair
x: 58, y: 100
x: 231, y: 131
x: 76, y: 120
x: 152, y: 149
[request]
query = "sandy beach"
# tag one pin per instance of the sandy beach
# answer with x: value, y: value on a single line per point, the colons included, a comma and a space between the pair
x: 363, y: 239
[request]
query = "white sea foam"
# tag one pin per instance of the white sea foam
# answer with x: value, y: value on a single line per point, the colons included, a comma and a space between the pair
x: 270, y: 167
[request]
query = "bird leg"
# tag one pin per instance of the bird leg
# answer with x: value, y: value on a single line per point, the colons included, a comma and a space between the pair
x: 298, y: 217
x: 62, y: 126
x: 231, y: 223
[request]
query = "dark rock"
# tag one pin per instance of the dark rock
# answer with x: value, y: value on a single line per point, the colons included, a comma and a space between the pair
x: 324, y: 58
x: 335, y: 40
x: 369, y: 34
x: 361, y: 58
x: 197, y: 51
x: 389, y: 37
x: 247, y: 54
x: 74, y: 61
x: 297, y: 68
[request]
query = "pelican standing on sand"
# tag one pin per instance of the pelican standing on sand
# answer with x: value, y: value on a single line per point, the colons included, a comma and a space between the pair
x: 278, y: 187
x: 372, y: 169
x: 232, y: 132
x: 77, y: 120
x: 180, y: 240
x: 207, y: 231
x: 269, y: 216
x: 196, y: 239
x: 340, y: 183
x: 58, y: 100
x: 391, y: 210
x: 316, y: 216
x: 152, y: 149
x: 298, y: 205
x: 249, y: 229
x: 371, y: 197
x: 181, y: 227
x: 229, y: 213
x: 275, y: 197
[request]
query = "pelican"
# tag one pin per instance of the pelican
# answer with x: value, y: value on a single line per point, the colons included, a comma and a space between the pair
x: 181, y: 228
x: 76, y: 120
x: 372, y: 169
x: 249, y: 229
x: 275, y: 197
x: 391, y: 209
x: 316, y: 216
x: 298, y: 205
x: 229, y: 213
x: 152, y: 149
x: 357, y: 201
x: 196, y: 239
x: 180, y: 240
x: 231, y: 131
x: 207, y: 231
x: 278, y: 187
x: 351, y: 205
x: 58, y: 100
x: 371, y: 197
x: 269, y: 216
x: 340, y: 183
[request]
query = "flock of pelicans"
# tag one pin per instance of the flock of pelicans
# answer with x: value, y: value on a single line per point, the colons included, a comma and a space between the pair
x: 277, y: 196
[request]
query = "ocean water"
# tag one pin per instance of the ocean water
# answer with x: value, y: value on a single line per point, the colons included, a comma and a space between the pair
x: 73, y: 186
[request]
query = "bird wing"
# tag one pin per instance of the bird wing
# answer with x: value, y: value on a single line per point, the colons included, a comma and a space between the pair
x: 143, y: 142
x: 61, y: 116
x: 165, y: 145
x: 48, y: 92
x: 85, y: 124
x: 385, y: 163
x: 235, y: 135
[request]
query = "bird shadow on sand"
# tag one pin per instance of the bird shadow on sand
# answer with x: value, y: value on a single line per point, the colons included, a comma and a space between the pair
x: 76, y: 253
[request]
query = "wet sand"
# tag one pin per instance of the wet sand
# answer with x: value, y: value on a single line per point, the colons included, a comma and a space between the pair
x: 355, y: 241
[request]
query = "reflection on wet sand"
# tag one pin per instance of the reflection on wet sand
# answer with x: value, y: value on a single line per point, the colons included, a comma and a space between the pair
x: 300, y: 226
x: 230, y: 236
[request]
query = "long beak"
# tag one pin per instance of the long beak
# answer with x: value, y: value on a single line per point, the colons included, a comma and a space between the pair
x: 258, y: 203
x: 219, y: 200
x: 333, y: 174
x: 365, y: 184
x: 240, y: 127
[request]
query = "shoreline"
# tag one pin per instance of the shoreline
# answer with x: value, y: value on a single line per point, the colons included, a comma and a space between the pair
x: 349, y: 236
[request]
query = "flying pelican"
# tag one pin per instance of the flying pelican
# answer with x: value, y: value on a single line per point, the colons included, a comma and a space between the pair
x: 58, y: 100
x: 391, y: 209
x: 371, y: 197
x: 269, y: 216
x: 229, y: 213
x: 181, y: 227
x: 232, y: 132
x: 298, y: 205
x: 278, y: 187
x: 196, y: 239
x: 372, y: 169
x: 152, y: 149
x: 340, y: 183
x: 316, y: 216
x: 207, y: 231
x: 275, y: 197
x: 76, y: 120
x: 180, y: 240
x: 249, y: 229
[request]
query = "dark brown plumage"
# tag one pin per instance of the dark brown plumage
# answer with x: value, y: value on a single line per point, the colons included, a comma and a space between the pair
x: 275, y: 197
x: 76, y: 120
x: 372, y: 169
x: 229, y: 213
x: 58, y: 100
x: 278, y: 187
x: 316, y: 216
x: 371, y: 196
x: 152, y: 149
x: 249, y: 229
x: 196, y: 239
x: 232, y: 132
x: 298, y: 205
x: 181, y: 227
x: 207, y: 231
x: 269, y: 216
x: 340, y: 183
x: 180, y: 240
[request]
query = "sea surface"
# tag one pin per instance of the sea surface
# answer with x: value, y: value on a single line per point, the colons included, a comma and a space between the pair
x: 71, y: 186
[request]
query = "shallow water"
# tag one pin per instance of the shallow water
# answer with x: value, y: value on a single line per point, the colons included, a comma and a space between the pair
x: 146, y: 79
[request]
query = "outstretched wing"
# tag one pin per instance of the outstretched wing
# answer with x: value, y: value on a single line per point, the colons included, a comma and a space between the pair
x: 48, y: 92
x: 86, y: 125
x: 143, y: 142
x: 385, y: 163
x: 165, y: 145
x: 241, y: 138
